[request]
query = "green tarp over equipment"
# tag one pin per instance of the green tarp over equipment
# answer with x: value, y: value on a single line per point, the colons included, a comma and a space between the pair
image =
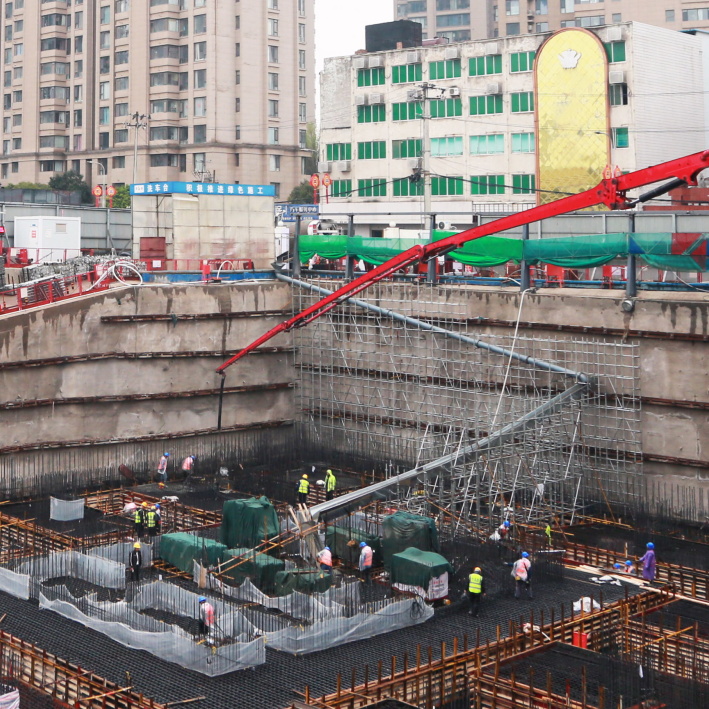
x: 330, y: 246
x: 403, y: 530
x: 485, y: 252
x: 181, y: 548
x: 414, y: 567
x: 260, y: 568
x: 338, y: 538
x: 246, y: 523
x: 308, y: 582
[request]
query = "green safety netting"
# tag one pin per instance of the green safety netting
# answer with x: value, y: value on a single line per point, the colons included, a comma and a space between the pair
x: 405, y: 529
x: 306, y: 582
x: 667, y: 251
x: 415, y: 567
x: 260, y: 568
x: 246, y: 523
x: 339, y: 540
x: 181, y: 548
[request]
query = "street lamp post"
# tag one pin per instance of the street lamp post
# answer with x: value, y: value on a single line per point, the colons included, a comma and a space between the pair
x: 106, y: 203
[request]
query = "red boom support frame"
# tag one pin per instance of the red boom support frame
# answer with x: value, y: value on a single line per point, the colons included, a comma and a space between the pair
x: 611, y: 192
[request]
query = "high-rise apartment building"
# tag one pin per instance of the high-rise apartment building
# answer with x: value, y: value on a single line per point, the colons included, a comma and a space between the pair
x: 461, y: 20
x: 221, y: 91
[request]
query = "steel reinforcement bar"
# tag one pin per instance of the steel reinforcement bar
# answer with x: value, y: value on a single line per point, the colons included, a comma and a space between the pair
x: 64, y: 681
x: 427, y: 682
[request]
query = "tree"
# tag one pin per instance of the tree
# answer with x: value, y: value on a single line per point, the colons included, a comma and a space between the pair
x: 71, y: 182
x: 122, y: 198
x: 312, y: 143
x: 301, y: 194
x: 27, y: 186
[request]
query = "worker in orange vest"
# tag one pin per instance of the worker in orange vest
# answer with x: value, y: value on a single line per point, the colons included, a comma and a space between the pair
x: 366, y: 558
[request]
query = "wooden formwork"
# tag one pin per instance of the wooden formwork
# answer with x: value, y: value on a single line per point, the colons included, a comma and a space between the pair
x: 67, y: 683
x: 427, y: 682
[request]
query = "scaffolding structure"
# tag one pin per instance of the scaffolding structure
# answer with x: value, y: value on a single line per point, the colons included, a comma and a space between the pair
x: 377, y: 389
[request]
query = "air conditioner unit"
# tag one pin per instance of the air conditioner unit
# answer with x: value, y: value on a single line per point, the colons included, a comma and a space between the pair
x: 413, y: 57
x: 492, y: 48
x: 494, y: 88
x: 376, y: 62
x: 414, y: 163
x: 614, y: 34
x: 413, y: 95
x: 376, y: 98
x: 451, y: 53
x: 530, y: 16
x: 343, y: 165
x: 324, y: 167
x: 361, y: 100
x: 360, y: 62
x: 616, y: 77
x: 454, y: 92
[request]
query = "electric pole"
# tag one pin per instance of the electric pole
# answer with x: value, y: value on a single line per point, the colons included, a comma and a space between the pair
x: 138, y: 120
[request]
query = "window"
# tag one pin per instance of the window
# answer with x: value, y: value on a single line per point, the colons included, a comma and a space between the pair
x: 522, y: 102
x: 341, y: 188
x: 78, y: 68
x: 487, y: 184
x: 165, y: 78
x: 104, y: 65
x: 302, y: 86
x: 616, y: 17
x: 7, y: 81
x: 121, y: 57
x: 104, y: 140
x: 441, y: 186
x: 53, y: 20
x: 591, y: 21
x: 200, y: 134
x: 54, y: 141
x: 199, y: 162
x: 512, y: 28
x: 104, y: 90
x: 272, y: 108
x: 372, y: 188
x: 17, y: 73
x: 15, y: 166
x: 237, y: 22
x: 450, y: 145
x: 301, y: 8
x: 50, y: 165
x: 200, y: 51
x: 567, y: 5
x: 482, y: 66
x: 104, y: 115
x: 406, y: 111
x: 522, y: 61
x: 669, y: 15
x: 272, y: 81
x: 165, y: 51
x: 54, y: 117
x: 370, y: 77
x: 409, y: 148
x: 372, y: 150
x: 169, y: 106
x: 105, y: 15
x: 78, y: 44
x: 118, y: 161
x: 302, y: 138
x: 7, y: 53
x: 542, y: 26
x: 406, y: 73
x: 200, y: 106
x: 511, y: 7
x: 446, y: 108
x: 485, y: 105
x: 523, y: 184
x: 200, y: 78
x: 452, y: 4
x: 272, y: 27
x: 273, y: 136
x: 200, y: 24
x: 272, y: 4
x: 303, y: 112
x: 541, y: 7
x: 615, y: 51
x: 618, y: 94
x: 371, y: 114
x: 19, y: 49
x: 17, y: 95
x: 163, y: 160
x: 61, y: 68
x: 338, y: 151
x: 274, y: 163
x: 406, y: 188
x: 620, y: 138
x: 17, y: 143
x: 122, y: 31
x: 522, y: 142
x: 301, y: 33
x: 78, y: 118
x: 237, y: 49
x: 457, y: 20
x: 60, y: 93
x: 169, y: 133
x: 301, y: 59
x: 7, y: 101
x: 104, y: 41
x: 120, y: 109
x: 272, y: 54
x: 122, y: 6
x: 121, y: 83
x: 492, y: 144
x: 447, y: 69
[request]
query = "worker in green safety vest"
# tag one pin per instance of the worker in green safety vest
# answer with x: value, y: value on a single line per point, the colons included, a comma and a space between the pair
x: 476, y: 590
x: 303, y: 490
x: 330, y: 484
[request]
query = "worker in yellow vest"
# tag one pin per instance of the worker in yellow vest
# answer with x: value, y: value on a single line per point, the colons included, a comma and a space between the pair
x: 330, y: 484
x: 476, y: 590
x: 303, y: 490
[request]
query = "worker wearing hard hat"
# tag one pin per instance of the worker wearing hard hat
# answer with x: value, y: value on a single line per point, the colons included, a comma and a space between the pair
x: 330, y: 484
x: 135, y: 561
x: 139, y: 520
x: 521, y: 574
x: 303, y: 490
x: 649, y: 563
x: 325, y: 560
x: 476, y: 590
x: 152, y: 521
x: 207, y: 619
x: 366, y: 559
x: 162, y: 467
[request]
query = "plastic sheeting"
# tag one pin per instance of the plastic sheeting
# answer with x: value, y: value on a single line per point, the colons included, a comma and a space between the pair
x: 16, y: 584
x: 246, y: 523
x: 66, y: 510
x: 9, y: 697
x: 120, y: 552
x: 414, y: 567
x: 181, y: 548
x: 94, y: 569
x: 405, y: 529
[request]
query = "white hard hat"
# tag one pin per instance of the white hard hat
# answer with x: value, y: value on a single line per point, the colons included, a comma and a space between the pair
x: 320, y: 482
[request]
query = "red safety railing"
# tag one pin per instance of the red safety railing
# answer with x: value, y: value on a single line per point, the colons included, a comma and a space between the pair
x: 18, y: 257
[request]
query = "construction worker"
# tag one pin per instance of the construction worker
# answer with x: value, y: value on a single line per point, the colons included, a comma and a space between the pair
x: 476, y: 590
x: 158, y: 512
x: 188, y: 465
x: 303, y: 490
x: 520, y: 572
x: 139, y: 520
x: 649, y: 563
x: 330, y: 484
x: 325, y: 560
x: 547, y: 531
x: 206, y: 619
x: 135, y: 561
x: 504, y: 529
x: 151, y: 521
x: 629, y: 567
x: 366, y: 558
x: 162, y: 467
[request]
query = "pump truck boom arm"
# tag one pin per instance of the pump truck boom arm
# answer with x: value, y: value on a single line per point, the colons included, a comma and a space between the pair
x: 611, y: 191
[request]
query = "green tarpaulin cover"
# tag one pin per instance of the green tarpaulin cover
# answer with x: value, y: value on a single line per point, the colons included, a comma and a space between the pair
x: 486, y: 252
x: 415, y: 567
x: 180, y: 548
x: 246, y: 523
x: 260, y: 568
x: 403, y: 530
x: 337, y: 539
x: 309, y: 582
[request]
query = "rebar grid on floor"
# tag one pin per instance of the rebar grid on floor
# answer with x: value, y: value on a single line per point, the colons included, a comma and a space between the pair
x: 388, y: 391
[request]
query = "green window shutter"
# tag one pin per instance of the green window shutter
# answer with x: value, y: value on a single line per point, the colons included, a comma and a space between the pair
x: 378, y: 78
x: 361, y: 151
x: 418, y: 72
x: 396, y: 111
x: 515, y: 103
x: 514, y: 62
x: 328, y: 152
x: 475, y: 105
x: 398, y: 186
x: 433, y: 70
x: 396, y: 149
x: 360, y: 114
x: 348, y: 151
x: 395, y: 74
x: 496, y: 64
x: 621, y: 138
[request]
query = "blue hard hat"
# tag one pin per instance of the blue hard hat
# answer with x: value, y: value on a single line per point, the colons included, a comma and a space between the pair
x: 617, y: 566
x: 327, y: 548
x: 650, y: 545
x: 157, y: 505
x: 507, y: 523
x: 524, y: 554
x: 202, y: 599
x: 166, y: 454
x: 362, y: 544
x: 628, y: 563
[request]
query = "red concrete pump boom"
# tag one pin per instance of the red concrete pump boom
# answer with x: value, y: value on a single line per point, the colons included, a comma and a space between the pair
x: 611, y: 191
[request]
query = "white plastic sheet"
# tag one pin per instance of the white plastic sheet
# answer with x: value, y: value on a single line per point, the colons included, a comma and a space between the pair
x: 66, y: 510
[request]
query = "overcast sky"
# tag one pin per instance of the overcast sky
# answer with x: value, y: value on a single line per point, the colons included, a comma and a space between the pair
x: 339, y: 25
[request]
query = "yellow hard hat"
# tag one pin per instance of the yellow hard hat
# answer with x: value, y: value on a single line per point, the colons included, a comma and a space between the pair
x: 477, y: 568
x: 145, y: 504
x: 305, y: 477
x: 136, y: 545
